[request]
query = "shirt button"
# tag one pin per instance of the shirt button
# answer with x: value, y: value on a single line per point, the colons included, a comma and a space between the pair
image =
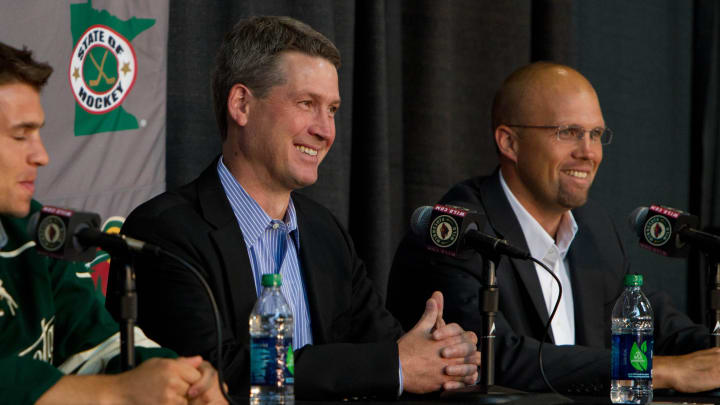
x: 275, y: 225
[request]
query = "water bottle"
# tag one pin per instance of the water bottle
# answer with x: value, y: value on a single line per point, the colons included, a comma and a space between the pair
x: 632, y: 345
x: 272, y: 365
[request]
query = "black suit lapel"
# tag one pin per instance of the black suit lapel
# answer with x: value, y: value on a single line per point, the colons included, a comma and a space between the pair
x: 229, y: 242
x: 587, y: 283
x: 317, y: 268
x: 505, y: 224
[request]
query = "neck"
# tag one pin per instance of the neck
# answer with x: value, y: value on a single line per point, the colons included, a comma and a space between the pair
x: 273, y: 202
x: 549, y: 219
x: 550, y: 222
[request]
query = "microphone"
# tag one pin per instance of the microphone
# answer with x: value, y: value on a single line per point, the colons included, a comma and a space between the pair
x: 450, y: 230
x: 72, y: 235
x: 669, y: 232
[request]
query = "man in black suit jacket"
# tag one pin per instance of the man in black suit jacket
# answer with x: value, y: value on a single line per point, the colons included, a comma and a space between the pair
x: 276, y: 92
x: 547, y: 164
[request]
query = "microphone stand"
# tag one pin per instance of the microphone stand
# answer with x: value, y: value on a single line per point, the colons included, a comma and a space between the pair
x: 486, y: 392
x: 714, y: 326
x: 128, y: 317
x: 119, y: 249
x: 489, y: 297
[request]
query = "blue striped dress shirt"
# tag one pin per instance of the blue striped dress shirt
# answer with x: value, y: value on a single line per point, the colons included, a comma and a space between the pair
x: 272, y: 247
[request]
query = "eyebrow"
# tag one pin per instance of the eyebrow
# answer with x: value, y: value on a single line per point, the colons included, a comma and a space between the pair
x: 318, y: 96
x: 28, y: 125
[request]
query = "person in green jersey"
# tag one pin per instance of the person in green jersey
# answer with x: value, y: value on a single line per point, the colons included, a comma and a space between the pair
x: 55, y: 334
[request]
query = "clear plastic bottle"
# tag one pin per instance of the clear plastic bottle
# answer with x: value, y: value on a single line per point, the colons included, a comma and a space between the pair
x: 272, y: 366
x: 632, y: 345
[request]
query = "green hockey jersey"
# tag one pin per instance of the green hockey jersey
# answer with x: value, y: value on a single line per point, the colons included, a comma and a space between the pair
x: 52, y: 320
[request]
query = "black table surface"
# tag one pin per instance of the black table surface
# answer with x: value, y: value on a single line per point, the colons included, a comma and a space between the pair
x: 659, y: 397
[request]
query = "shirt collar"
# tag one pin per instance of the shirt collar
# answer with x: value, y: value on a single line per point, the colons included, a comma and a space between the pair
x: 538, y: 240
x: 251, y: 217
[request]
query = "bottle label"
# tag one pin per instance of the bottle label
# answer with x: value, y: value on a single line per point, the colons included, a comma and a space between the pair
x: 271, y: 361
x: 290, y: 365
x: 631, y: 356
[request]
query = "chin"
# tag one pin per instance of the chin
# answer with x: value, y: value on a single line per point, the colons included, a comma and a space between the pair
x: 303, y: 184
x: 571, y: 202
x: 305, y: 181
x: 572, y: 198
x: 17, y: 212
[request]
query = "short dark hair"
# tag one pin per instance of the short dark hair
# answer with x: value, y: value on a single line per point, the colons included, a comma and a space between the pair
x: 17, y: 65
x: 250, y: 52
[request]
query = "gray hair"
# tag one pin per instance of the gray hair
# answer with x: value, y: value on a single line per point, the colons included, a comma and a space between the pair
x: 250, y: 52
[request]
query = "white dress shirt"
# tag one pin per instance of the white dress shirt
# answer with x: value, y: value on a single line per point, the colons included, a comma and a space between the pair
x: 553, y: 254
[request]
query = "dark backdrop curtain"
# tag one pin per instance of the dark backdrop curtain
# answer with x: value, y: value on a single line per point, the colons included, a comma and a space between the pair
x: 417, y: 83
x: 705, y: 135
x: 638, y: 55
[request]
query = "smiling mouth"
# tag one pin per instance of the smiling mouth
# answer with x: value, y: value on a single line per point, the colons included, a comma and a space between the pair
x: 576, y: 173
x: 306, y: 150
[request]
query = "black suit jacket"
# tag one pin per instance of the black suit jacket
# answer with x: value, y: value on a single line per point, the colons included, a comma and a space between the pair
x: 597, y: 264
x: 355, y: 350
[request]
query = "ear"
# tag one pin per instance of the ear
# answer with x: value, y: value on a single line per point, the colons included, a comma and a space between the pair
x: 238, y: 104
x: 507, y: 142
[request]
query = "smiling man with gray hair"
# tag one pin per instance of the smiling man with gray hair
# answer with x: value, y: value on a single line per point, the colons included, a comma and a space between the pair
x: 275, y: 90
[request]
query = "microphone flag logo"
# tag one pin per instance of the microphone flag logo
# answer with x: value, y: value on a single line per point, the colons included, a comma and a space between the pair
x: 51, y: 233
x: 444, y: 231
x: 657, y: 230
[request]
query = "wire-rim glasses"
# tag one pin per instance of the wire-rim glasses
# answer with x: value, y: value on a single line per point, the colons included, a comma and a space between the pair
x: 574, y: 133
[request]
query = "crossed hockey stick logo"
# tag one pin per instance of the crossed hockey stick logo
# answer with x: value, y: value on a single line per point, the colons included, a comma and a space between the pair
x: 101, y: 71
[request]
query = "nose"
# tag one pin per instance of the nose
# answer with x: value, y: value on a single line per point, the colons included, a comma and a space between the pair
x: 38, y: 155
x: 588, y: 149
x: 323, y: 126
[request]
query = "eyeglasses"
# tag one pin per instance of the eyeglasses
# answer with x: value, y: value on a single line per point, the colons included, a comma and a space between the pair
x: 575, y: 133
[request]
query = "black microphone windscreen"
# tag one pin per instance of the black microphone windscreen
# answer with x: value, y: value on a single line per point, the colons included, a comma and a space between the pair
x: 420, y: 220
x: 53, y: 229
x: 32, y: 224
x: 636, y: 220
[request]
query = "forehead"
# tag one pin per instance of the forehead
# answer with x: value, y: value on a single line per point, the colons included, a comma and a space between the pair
x: 310, y: 74
x: 573, y: 107
x: 562, y: 99
x: 20, y: 105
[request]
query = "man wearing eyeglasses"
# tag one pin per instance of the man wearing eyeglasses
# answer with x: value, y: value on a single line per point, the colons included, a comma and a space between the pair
x: 550, y: 134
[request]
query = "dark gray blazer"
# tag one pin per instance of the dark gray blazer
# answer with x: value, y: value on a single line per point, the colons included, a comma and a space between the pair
x: 597, y: 264
x: 354, y: 352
